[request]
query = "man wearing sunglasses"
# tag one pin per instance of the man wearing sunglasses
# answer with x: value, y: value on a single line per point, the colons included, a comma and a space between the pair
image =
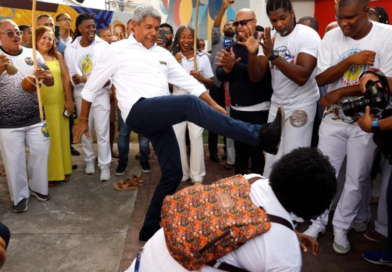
x: 47, y: 20
x: 250, y: 101
x: 20, y: 121
x: 64, y: 21
x: 218, y: 42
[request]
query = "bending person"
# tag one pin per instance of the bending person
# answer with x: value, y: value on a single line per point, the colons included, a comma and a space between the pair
x: 141, y: 71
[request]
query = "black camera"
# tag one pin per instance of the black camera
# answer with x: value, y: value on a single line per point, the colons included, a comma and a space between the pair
x: 374, y: 98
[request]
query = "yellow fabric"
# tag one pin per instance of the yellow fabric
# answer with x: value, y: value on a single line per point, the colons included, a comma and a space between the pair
x: 53, y: 100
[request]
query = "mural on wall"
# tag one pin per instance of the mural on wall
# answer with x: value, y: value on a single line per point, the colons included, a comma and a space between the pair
x: 174, y: 12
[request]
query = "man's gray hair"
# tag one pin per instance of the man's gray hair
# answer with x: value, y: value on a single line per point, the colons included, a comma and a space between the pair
x: 142, y: 12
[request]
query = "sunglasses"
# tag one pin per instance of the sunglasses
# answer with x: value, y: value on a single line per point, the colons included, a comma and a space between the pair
x: 11, y: 34
x: 242, y: 22
x: 65, y: 19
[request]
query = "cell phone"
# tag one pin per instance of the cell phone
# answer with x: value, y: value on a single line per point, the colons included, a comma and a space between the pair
x: 56, y: 31
x: 162, y: 33
x: 66, y: 114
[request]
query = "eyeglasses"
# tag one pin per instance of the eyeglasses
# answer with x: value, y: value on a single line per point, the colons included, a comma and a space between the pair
x: 65, y: 19
x: 11, y: 34
x: 242, y: 22
x: 168, y: 32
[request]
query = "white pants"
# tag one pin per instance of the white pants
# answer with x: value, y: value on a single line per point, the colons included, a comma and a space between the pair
x: 19, y: 175
x: 297, y: 132
x: 197, y: 170
x: 230, y: 150
x: 336, y: 142
x: 382, y: 215
x: 99, y: 118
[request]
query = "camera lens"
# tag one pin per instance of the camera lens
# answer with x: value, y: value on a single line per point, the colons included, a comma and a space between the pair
x: 352, y: 107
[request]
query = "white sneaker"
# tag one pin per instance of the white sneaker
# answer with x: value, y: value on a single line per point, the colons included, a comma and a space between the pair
x: 90, y: 168
x: 105, y: 173
x: 315, y: 230
x: 360, y: 226
x: 341, y: 244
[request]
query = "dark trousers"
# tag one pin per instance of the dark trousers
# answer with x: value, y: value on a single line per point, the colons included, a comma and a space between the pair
x: 389, y: 210
x: 245, y: 151
x: 71, y: 124
x: 218, y: 94
x: 154, y: 118
x: 5, y: 234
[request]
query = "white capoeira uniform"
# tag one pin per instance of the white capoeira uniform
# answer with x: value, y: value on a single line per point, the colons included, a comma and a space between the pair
x: 80, y: 60
x: 197, y: 169
x: 300, y: 102
x: 20, y: 125
x: 340, y: 135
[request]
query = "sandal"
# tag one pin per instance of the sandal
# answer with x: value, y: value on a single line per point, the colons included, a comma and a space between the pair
x: 51, y: 184
x: 2, y: 172
x: 128, y: 184
x: 228, y: 166
x: 66, y: 178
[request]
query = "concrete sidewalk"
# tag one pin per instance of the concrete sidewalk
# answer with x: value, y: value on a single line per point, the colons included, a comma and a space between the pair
x: 87, y: 226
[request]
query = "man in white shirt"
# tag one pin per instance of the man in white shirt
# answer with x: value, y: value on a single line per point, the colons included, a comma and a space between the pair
x: 64, y: 21
x: 344, y: 54
x: 291, y: 56
x: 292, y: 187
x: 141, y: 71
x: 81, y: 58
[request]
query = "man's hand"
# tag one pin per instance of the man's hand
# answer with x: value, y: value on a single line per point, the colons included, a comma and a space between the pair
x: 69, y: 106
x: 248, y: 40
x: 3, y: 254
x: 196, y: 75
x: 76, y: 79
x: 178, y: 57
x: 227, y: 3
x: 329, y: 99
x: 227, y: 60
x: 4, y: 61
x: 268, y: 42
x: 80, y: 129
x: 305, y: 241
x: 41, y: 74
x: 160, y: 42
x: 366, y: 78
x: 365, y: 57
x: 365, y: 123
x: 220, y: 109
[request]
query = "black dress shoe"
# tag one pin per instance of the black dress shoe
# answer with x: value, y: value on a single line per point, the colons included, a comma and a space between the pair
x: 74, y: 152
x: 146, y: 233
x: 271, y: 133
x: 74, y: 166
x: 214, y: 157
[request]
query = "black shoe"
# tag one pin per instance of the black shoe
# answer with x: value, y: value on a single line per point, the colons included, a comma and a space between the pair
x: 271, y: 133
x: 146, y: 233
x: 21, y: 206
x: 214, y: 157
x: 74, y: 152
x: 224, y: 156
x: 39, y: 196
x: 145, y: 167
x: 74, y: 166
x: 121, y: 169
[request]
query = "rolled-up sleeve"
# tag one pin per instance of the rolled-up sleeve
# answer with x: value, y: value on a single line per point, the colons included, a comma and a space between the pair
x: 180, y: 78
x: 104, y: 69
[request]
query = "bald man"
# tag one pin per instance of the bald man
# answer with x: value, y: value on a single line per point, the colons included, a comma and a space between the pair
x: 248, y: 103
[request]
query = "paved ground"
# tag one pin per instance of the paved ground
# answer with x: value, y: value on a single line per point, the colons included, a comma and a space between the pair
x: 89, y: 227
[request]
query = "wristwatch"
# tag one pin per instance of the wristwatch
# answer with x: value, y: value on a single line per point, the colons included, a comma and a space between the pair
x: 274, y: 55
x: 375, y: 127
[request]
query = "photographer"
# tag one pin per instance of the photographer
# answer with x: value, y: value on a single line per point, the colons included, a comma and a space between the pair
x: 368, y: 124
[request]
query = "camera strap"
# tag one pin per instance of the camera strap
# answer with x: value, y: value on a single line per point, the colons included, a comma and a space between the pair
x: 383, y: 80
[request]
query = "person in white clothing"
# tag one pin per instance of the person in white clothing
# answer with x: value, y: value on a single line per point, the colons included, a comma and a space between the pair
x: 344, y: 54
x: 81, y: 57
x: 292, y: 187
x: 20, y: 123
x: 292, y: 57
x: 183, y: 51
x: 64, y: 21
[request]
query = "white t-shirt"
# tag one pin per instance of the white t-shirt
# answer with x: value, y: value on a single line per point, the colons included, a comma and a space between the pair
x: 276, y: 250
x: 203, y: 66
x: 335, y: 47
x: 287, y: 93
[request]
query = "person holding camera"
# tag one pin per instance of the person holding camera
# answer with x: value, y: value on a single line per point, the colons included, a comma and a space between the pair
x: 344, y: 54
x: 381, y: 127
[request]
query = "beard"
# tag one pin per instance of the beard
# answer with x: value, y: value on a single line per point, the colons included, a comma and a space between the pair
x: 229, y: 33
x: 169, y: 42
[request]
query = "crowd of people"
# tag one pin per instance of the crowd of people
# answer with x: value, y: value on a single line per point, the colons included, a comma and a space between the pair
x: 272, y: 94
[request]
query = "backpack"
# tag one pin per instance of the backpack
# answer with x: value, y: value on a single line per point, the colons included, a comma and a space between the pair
x: 204, y: 223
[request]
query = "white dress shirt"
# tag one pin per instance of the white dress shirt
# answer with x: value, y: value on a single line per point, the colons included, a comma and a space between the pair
x: 138, y: 72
